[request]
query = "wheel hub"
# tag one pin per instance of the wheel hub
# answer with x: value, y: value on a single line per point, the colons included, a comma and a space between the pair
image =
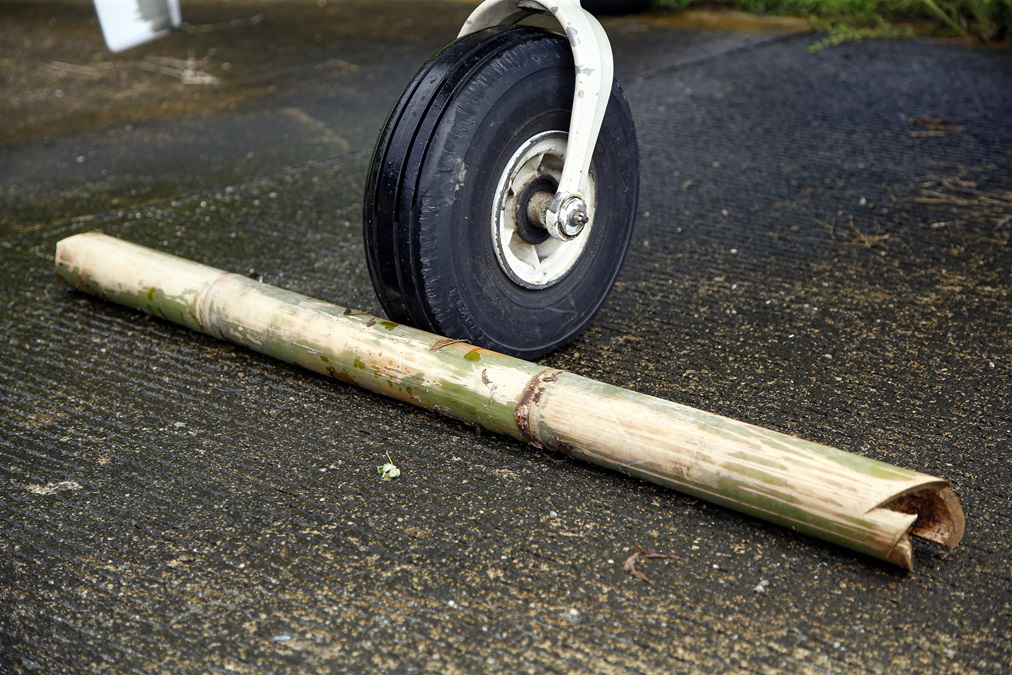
x: 530, y: 208
x: 525, y: 250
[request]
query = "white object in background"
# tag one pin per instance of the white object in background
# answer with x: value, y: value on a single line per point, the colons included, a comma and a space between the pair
x: 128, y: 23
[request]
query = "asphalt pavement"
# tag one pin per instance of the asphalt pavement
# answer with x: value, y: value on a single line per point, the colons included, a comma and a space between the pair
x: 822, y: 248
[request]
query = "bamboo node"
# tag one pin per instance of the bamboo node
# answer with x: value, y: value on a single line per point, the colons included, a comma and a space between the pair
x: 528, y: 402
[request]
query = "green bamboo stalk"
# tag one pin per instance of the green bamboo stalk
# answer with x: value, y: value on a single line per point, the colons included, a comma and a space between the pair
x: 859, y: 503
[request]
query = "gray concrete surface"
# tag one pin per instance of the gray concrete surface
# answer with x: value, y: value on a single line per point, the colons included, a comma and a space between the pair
x: 822, y: 249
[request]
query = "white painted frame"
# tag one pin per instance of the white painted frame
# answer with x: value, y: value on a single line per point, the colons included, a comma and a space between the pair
x: 567, y: 212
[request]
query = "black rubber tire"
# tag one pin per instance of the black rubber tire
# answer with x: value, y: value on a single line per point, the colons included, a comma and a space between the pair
x: 429, y: 195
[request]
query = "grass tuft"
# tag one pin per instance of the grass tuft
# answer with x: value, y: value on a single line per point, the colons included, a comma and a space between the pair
x: 846, y: 20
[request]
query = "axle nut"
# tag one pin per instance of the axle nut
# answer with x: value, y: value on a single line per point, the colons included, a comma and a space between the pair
x: 572, y: 218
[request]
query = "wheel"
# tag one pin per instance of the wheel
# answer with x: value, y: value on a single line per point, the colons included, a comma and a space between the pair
x: 478, y: 134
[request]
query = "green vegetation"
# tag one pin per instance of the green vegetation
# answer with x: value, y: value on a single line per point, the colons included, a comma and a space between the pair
x: 841, y: 20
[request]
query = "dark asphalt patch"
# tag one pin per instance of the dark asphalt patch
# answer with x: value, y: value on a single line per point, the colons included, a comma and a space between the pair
x: 178, y: 503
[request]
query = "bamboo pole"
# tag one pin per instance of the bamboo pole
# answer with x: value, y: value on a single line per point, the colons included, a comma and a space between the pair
x: 859, y: 503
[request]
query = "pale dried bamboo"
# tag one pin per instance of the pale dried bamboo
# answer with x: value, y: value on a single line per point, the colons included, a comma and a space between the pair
x: 860, y: 503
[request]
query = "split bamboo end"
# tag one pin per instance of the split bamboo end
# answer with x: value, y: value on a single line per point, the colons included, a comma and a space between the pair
x: 939, y: 516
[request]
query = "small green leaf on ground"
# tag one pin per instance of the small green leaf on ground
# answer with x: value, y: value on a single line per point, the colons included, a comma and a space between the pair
x: 388, y: 471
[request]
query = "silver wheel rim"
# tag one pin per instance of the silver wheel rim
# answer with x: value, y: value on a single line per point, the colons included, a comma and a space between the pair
x: 535, y: 266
